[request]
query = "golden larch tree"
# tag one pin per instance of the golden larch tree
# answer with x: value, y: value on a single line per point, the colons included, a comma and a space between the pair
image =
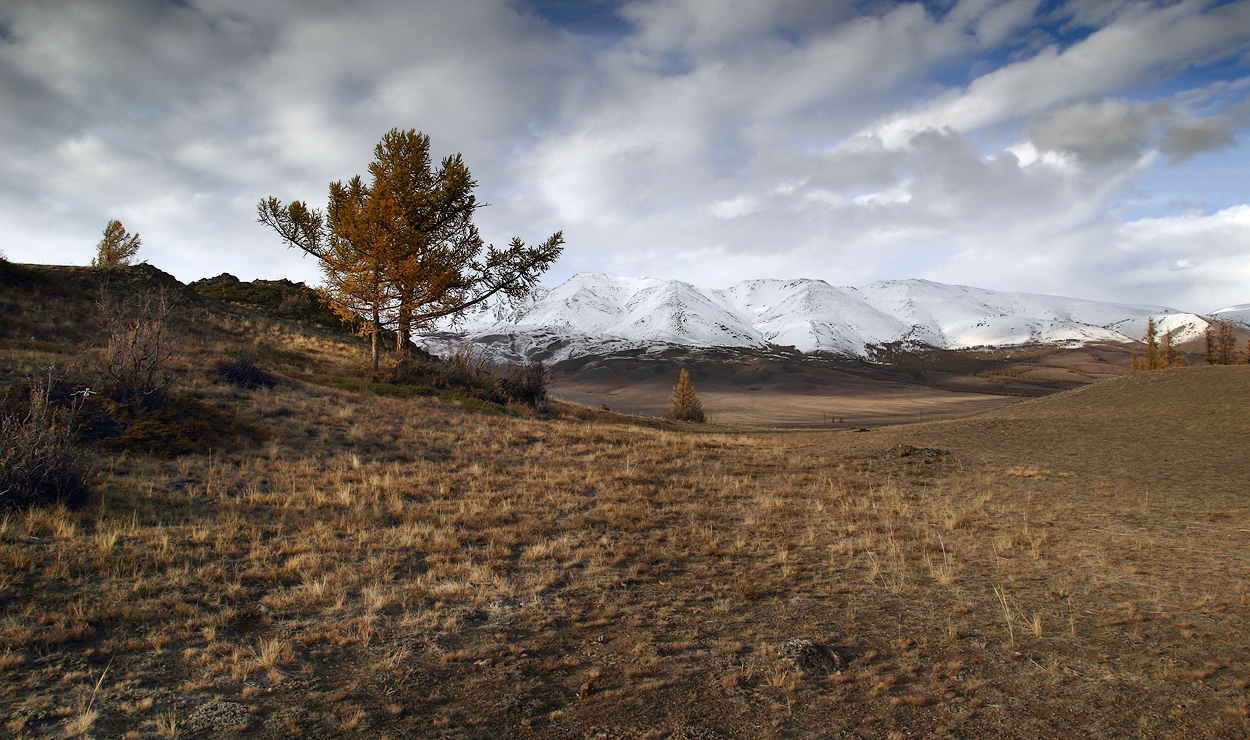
x: 1221, y: 344
x: 686, y: 406
x: 117, y: 246
x: 402, y: 250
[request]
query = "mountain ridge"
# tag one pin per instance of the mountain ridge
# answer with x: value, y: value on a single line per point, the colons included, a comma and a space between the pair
x: 594, y: 313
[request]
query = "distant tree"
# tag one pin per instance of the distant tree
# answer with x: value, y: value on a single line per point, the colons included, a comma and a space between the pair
x: 402, y: 251
x: 1159, y: 353
x: 1151, y: 358
x: 117, y: 246
x: 1221, y: 344
x: 686, y: 406
x: 1170, y: 352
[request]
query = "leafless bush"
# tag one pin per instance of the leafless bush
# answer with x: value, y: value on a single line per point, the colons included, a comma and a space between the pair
x: 527, y: 384
x: 469, y: 366
x: 470, y: 371
x: 139, y: 346
x: 39, y: 463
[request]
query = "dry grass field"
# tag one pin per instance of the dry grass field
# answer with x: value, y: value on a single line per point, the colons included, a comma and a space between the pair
x: 1069, y: 566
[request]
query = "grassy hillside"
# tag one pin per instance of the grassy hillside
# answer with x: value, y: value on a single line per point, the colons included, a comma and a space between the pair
x: 1069, y: 566
x: 280, y: 298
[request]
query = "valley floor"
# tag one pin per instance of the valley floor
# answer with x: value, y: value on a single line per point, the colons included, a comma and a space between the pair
x: 813, y: 394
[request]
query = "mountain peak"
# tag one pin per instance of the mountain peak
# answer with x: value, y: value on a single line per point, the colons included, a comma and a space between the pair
x: 593, y: 312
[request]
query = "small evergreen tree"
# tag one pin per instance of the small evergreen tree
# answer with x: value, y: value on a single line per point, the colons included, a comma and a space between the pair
x: 1170, y: 352
x: 686, y: 406
x: 401, y: 251
x: 117, y: 246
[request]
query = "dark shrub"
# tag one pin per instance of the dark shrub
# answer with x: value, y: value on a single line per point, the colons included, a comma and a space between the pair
x: 470, y: 374
x: 139, y: 346
x: 183, y: 426
x: 39, y: 463
x: 527, y: 384
x: 243, y: 371
x: 294, y: 306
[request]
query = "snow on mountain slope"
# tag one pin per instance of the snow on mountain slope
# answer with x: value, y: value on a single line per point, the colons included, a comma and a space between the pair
x: 811, y: 315
x: 593, y: 313
x: 957, y: 316
x: 1239, y: 313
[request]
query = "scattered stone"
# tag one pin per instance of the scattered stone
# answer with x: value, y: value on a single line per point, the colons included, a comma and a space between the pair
x: 217, y: 715
x: 811, y: 657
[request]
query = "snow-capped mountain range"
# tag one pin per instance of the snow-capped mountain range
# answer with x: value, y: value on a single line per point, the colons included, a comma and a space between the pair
x: 600, y: 314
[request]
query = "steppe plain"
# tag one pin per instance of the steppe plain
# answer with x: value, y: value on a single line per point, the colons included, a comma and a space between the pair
x: 1067, y: 566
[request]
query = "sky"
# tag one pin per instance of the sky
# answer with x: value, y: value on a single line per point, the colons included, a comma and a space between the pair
x: 1090, y: 148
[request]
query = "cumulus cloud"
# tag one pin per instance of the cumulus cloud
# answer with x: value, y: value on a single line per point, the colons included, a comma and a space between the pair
x: 991, y: 142
x: 1209, y: 250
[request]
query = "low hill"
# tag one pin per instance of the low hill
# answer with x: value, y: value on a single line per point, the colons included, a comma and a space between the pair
x: 281, y: 298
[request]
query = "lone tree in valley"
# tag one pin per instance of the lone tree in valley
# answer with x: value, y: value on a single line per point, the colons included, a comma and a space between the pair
x: 402, y: 250
x: 117, y: 246
x: 686, y: 406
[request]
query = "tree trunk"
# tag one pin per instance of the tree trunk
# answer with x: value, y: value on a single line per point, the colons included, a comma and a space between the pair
x: 403, y: 330
x: 377, y: 331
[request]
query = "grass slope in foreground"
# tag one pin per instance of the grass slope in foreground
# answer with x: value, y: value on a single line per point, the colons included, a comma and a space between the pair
x: 1071, y: 566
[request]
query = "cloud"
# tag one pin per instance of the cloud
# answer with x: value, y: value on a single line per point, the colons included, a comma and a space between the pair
x: 992, y: 142
x: 1138, y: 44
x: 1208, y: 250
x: 1109, y: 130
x: 130, y: 107
x: 1187, y: 138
